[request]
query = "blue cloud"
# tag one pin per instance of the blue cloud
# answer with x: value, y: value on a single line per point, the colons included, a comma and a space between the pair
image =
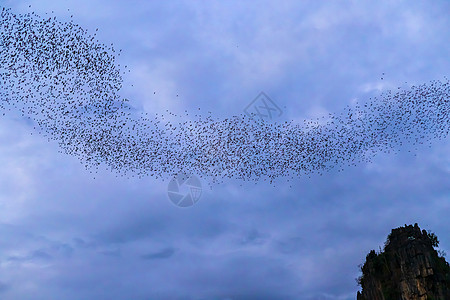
x: 90, y: 239
x: 162, y: 254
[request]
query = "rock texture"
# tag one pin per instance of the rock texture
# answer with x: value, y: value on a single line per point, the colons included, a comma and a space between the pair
x: 409, y: 268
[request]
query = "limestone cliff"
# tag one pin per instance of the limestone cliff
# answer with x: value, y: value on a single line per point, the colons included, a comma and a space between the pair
x: 409, y: 268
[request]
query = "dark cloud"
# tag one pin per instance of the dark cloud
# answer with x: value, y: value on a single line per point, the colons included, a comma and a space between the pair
x: 3, y: 287
x: 254, y: 237
x: 88, y: 239
x: 162, y: 254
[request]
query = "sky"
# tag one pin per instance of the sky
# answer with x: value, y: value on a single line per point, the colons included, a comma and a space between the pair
x: 67, y: 235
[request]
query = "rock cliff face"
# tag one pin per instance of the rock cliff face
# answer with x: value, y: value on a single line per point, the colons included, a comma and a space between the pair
x: 409, y: 268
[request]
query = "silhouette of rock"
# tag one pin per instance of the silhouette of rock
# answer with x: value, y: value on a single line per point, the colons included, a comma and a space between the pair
x: 409, y: 268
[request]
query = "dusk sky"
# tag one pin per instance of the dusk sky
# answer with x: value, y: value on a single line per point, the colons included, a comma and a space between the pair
x: 67, y: 235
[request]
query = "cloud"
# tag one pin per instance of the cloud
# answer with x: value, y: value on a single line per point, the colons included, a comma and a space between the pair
x: 3, y: 287
x: 73, y: 237
x: 162, y: 254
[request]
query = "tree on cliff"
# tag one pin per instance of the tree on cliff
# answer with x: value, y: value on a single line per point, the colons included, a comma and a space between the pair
x: 407, y: 268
